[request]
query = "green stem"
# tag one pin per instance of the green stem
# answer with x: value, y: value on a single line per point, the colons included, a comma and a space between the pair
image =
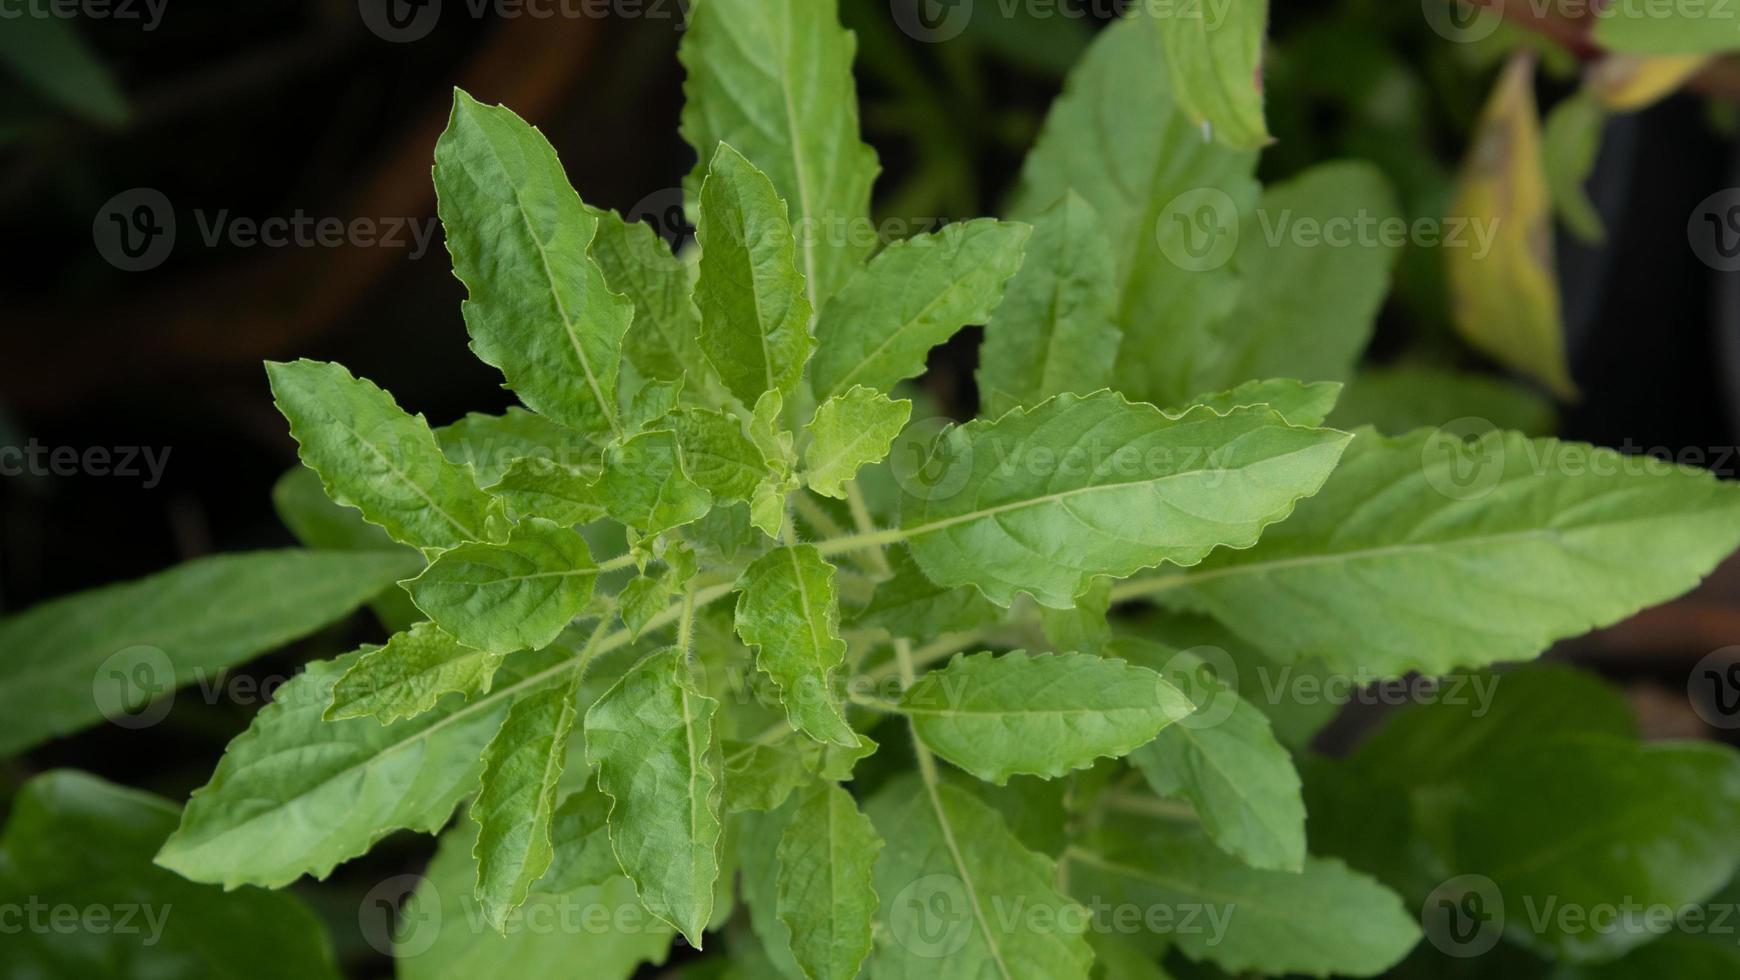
x: 861, y: 518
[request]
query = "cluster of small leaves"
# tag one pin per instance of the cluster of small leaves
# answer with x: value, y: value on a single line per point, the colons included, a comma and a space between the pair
x: 915, y: 741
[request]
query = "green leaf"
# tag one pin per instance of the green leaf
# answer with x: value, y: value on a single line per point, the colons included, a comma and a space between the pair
x: 1225, y: 761
x: 75, y: 842
x: 907, y: 604
x: 1297, y: 402
x: 535, y: 487
x: 826, y: 860
x: 1666, y: 30
x: 773, y: 78
x: 644, y: 484
x: 1323, y: 920
x: 1001, y: 715
x: 756, y: 837
x: 1214, y: 59
x: 1398, y: 400
x: 1084, y: 629
x: 755, y: 314
x: 493, y: 443
x: 539, y: 309
x: 1116, y: 486
x: 598, y: 928
x: 318, y: 522
x: 1170, y: 203
x: 718, y: 455
x: 409, y: 675
x: 49, y: 55
x: 372, y: 456
x: 580, y: 838
x: 651, y: 737
x: 642, y: 599
x: 1569, y: 145
x: 661, y: 342
x: 949, y: 878
x: 296, y: 795
x: 914, y: 295
x: 1060, y: 304
x: 1427, y: 553
x: 760, y: 776
x: 505, y: 597
x: 850, y: 430
x: 108, y: 653
x: 516, y: 799
x: 788, y: 609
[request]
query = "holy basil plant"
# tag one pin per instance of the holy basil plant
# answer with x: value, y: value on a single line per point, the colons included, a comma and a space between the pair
x: 726, y: 639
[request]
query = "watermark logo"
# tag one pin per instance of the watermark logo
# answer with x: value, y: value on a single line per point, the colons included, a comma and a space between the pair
x: 1714, y: 688
x: 1714, y: 230
x: 931, y: 459
x: 148, y: 13
x: 400, y: 21
x: 932, y: 917
x: 1459, y: 20
x: 1460, y: 461
x: 135, y: 687
x: 135, y: 230
x: 663, y: 211
x: 399, y: 918
x: 1209, y: 676
x: 1198, y: 230
x: 932, y: 21
x: 1464, y: 917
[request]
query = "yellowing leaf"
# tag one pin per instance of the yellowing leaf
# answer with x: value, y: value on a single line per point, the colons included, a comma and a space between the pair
x: 1626, y: 82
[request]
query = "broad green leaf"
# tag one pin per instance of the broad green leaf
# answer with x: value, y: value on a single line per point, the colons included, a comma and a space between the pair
x: 1398, y: 400
x: 651, y: 737
x: 75, y: 842
x: 756, y: 837
x: 950, y: 878
x: 718, y: 455
x: 837, y: 762
x: 539, y: 487
x: 505, y: 597
x: 374, y: 457
x: 1214, y: 55
x: 1666, y: 29
x: 755, y: 314
x: 1054, y: 331
x: 999, y: 715
x: 915, y: 294
x: 773, y: 78
x: 1569, y: 144
x: 1225, y: 761
x: 48, y: 54
x: 538, y: 307
x: 409, y: 675
x: 1171, y: 204
x: 296, y: 795
x: 599, y: 931
x: 851, y: 429
x: 1114, y: 485
x: 1297, y: 402
x: 642, y: 599
x: 1084, y: 629
x: 516, y: 799
x: 826, y: 860
x: 661, y: 342
x: 907, y: 604
x: 1427, y: 553
x: 580, y: 838
x: 788, y: 609
x: 1325, y: 919
x: 493, y: 443
x: 1505, y: 297
x: 1314, y: 266
x: 644, y: 484
x: 111, y: 652
x: 760, y: 776
x: 1290, y: 695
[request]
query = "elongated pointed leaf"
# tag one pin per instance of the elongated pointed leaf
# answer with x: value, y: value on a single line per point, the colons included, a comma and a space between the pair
x: 372, y: 456
x: 1115, y: 486
x: 505, y: 597
x: 755, y: 313
x: 516, y: 799
x: 718, y: 455
x: 949, y: 879
x: 1055, y: 330
x: 789, y: 610
x: 296, y: 795
x: 644, y: 484
x: 1426, y: 553
x: 917, y: 293
x: 826, y: 859
x: 851, y: 430
x: 109, y: 653
x: 409, y: 675
x: 661, y: 343
x: 539, y: 309
x: 1214, y: 57
x: 651, y: 737
x: 773, y: 78
x: 999, y: 715
x: 493, y: 443
x: 538, y: 487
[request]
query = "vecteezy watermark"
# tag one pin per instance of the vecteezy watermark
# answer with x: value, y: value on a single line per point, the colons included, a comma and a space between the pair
x: 1467, y: 458
x: 148, y: 13
x: 936, y: 21
x: 398, y: 918
x: 1465, y: 916
x: 37, y: 917
x: 136, y: 230
x: 1714, y: 688
x: 1470, y: 21
x: 403, y: 21
x: 136, y: 687
x: 121, y: 462
x: 931, y: 459
x: 1714, y: 230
